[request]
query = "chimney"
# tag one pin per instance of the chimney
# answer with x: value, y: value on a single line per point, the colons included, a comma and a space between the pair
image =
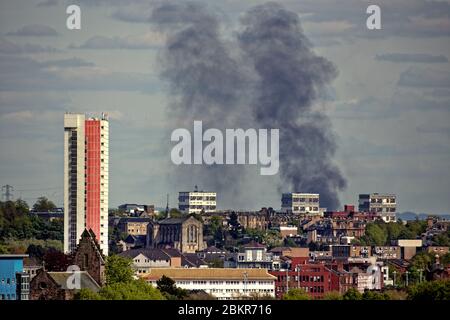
x: 349, y: 208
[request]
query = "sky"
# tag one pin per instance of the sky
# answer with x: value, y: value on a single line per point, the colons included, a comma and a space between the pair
x: 389, y: 106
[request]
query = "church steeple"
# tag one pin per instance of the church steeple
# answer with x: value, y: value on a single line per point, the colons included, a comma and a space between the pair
x: 167, y: 208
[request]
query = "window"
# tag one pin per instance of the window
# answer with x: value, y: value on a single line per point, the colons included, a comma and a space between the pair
x: 85, y: 261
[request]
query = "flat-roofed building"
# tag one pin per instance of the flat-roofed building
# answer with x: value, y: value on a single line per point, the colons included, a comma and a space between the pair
x: 223, y: 283
x: 301, y: 203
x: 387, y: 252
x: 408, y: 247
x: 13, y: 281
x: 384, y: 204
x: 197, y: 201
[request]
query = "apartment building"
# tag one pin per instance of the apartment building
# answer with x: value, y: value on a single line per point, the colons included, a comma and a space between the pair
x: 313, y: 278
x: 253, y: 255
x: 301, y: 203
x: 197, y: 201
x: 86, y: 171
x: 223, y: 283
x: 383, y: 204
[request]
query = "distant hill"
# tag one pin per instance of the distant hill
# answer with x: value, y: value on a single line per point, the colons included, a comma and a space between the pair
x: 408, y: 215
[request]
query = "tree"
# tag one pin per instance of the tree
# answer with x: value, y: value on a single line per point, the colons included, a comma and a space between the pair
x: 118, y: 270
x: 22, y: 206
x: 376, y: 234
x: 396, y: 294
x: 56, y: 260
x: 133, y: 290
x: 445, y: 259
x: 36, y: 251
x: 296, y: 294
x: 167, y: 287
x: 87, y: 294
x: 422, y: 260
x: 430, y: 291
x: 352, y: 294
x: 442, y: 239
x: 43, y: 205
x: 199, y: 295
x: 373, y: 295
x: 288, y: 242
x: 175, y: 213
x: 332, y: 295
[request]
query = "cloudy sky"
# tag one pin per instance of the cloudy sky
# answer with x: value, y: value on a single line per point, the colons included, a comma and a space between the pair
x: 389, y: 105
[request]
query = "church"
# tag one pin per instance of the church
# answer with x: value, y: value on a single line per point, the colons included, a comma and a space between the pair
x: 184, y: 234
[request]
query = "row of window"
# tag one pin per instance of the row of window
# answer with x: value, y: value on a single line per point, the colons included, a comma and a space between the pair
x: 303, y: 208
x: 147, y: 260
x: 217, y: 282
x: 8, y: 281
x: 302, y: 278
x: 305, y: 199
x: 8, y: 296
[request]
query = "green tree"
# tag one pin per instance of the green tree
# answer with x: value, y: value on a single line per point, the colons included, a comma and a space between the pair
x: 430, y: 291
x: 22, y: 206
x: 288, y: 242
x: 133, y: 290
x: 396, y: 294
x: 87, y: 294
x: 332, y: 295
x: 376, y: 234
x: 373, y: 295
x: 442, y: 239
x: 43, y: 205
x: 167, y: 287
x: 422, y: 260
x: 352, y: 294
x: 118, y: 270
x: 296, y: 294
x: 445, y: 259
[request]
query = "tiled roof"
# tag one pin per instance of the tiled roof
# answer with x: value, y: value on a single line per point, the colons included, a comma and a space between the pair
x: 126, y: 220
x: 86, y: 281
x: 192, y: 259
x: 209, y: 274
x: 139, y: 239
x: 150, y: 253
x: 173, y: 220
x: 254, y: 244
x: 172, y: 252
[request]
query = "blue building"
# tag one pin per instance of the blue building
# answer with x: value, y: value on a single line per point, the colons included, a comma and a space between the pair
x: 13, y: 281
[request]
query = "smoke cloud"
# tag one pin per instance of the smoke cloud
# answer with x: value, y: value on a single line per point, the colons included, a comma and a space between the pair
x: 265, y: 77
x: 291, y: 77
x: 205, y: 84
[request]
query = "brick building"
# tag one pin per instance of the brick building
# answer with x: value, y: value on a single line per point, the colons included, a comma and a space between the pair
x: 89, y: 257
x: 56, y: 285
x: 315, y: 279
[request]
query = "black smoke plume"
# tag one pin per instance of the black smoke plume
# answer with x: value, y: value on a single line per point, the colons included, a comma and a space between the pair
x: 268, y: 77
x: 205, y: 84
x: 291, y: 77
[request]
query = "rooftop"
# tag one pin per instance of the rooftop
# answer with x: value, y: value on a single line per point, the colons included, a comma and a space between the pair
x: 86, y: 281
x: 209, y: 274
x: 13, y: 256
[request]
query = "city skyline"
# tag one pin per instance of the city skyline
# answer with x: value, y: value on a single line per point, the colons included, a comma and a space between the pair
x: 388, y: 105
